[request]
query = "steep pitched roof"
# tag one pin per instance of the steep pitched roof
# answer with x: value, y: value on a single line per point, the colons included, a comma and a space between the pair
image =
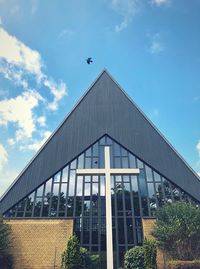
x: 104, y: 109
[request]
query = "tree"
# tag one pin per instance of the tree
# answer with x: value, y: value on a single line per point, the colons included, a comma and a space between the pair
x: 177, y: 230
x: 76, y: 257
x: 71, y: 258
x: 5, y: 257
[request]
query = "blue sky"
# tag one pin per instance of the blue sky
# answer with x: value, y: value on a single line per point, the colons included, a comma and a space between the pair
x: 151, y: 47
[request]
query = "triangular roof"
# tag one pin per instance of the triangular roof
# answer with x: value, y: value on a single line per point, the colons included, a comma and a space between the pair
x: 104, y: 109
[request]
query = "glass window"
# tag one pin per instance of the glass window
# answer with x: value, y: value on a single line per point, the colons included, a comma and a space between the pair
x: 72, y: 183
x: 117, y: 162
x: 134, y: 184
x: 140, y: 164
x: 121, y: 236
x: 40, y: 191
x: 88, y: 162
x: 88, y: 152
x: 124, y: 162
x: 81, y: 161
x: 148, y: 173
x: 56, y: 189
x: 65, y: 173
x: 95, y: 162
x: 73, y: 164
x: 87, y: 189
x: 95, y: 149
x: 48, y: 187
x: 57, y: 177
x: 37, y: 208
x: 117, y: 151
x: 157, y: 177
x: 102, y: 186
x: 79, y: 188
x: 132, y: 161
x: 124, y: 152
x: 130, y: 236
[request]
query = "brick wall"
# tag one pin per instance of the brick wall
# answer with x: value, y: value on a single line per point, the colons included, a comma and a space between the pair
x: 38, y: 243
x: 147, y: 228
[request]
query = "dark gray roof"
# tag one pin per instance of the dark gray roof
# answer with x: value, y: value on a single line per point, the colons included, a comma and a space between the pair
x: 104, y: 109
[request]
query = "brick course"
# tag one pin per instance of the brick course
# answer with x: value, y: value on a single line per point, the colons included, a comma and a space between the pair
x: 39, y: 243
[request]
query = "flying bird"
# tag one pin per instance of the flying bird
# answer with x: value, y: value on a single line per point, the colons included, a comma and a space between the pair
x: 89, y: 60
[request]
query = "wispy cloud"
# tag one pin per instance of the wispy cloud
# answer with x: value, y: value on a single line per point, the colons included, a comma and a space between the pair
x: 127, y: 9
x: 65, y: 33
x: 19, y: 62
x: 24, y: 67
x: 3, y: 156
x: 36, y: 143
x: 159, y: 3
x: 156, y: 45
x: 14, y: 10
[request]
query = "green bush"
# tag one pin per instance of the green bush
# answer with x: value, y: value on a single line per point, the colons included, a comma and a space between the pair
x: 71, y: 257
x: 75, y: 257
x: 134, y: 258
x: 6, y: 260
x: 149, y: 254
x: 184, y: 264
x: 177, y: 230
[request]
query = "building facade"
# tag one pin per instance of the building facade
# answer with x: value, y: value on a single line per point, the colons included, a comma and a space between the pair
x: 51, y: 187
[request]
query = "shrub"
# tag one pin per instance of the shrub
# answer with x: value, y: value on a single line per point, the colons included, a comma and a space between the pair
x: 134, y: 258
x: 177, y: 230
x: 184, y: 264
x: 71, y: 257
x: 149, y: 254
x: 75, y: 257
x: 6, y: 261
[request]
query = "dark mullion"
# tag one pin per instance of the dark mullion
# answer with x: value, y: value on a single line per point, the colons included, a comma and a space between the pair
x: 44, y: 187
x: 99, y: 216
x: 58, y: 204
x: 52, y: 185
x: 124, y: 213
x: 133, y: 212
x: 25, y: 206
x: 148, y: 204
x: 163, y: 190
x: 82, y: 210
x: 116, y: 223
x: 90, y: 215
x: 33, y: 209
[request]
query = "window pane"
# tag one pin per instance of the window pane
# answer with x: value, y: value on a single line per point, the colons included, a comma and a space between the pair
x: 88, y: 152
x: 140, y: 164
x: 148, y: 173
x: 73, y: 164
x: 156, y: 176
x: 65, y: 174
x: 48, y: 187
x: 95, y: 150
x: 79, y: 190
x: 72, y: 183
x: 57, y: 177
x: 132, y: 161
x: 117, y: 151
x: 40, y: 191
x: 124, y: 162
x: 81, y: 161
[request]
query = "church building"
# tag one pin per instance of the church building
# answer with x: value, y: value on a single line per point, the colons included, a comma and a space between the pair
x: 103, y: 170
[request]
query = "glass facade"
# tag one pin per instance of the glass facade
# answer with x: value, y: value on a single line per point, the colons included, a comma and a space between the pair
x: 67, y: 195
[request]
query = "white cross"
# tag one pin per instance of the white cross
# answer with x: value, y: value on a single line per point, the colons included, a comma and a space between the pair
x: 107, y: 171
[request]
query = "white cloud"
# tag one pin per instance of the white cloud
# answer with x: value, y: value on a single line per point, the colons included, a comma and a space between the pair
x: 7, y: 176
x: 11, y: 141
x: 18, y: 62
x: 198, y: 147
x: 3, y: 156
x: 42, y: 121
x: 198, y: 174
x: 66, y: 33
x: 15, y: 52
x: 160, y: 2
x: 57, y: 90
x: 36, y: 145
x: 19, y: 111
x: 156, y: 44
x: 127, y: 9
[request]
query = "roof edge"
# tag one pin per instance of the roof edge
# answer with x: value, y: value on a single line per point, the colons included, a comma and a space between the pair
x: 54, y: 132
